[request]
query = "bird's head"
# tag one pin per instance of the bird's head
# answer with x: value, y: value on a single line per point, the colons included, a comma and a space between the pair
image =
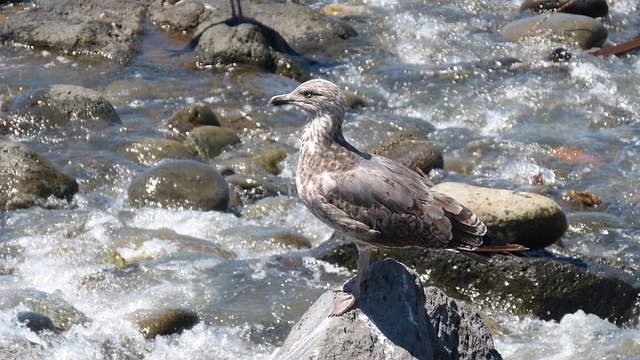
x: 316, y: 97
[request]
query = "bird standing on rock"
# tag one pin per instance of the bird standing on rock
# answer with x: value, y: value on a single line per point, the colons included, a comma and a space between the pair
x: 373, y: 200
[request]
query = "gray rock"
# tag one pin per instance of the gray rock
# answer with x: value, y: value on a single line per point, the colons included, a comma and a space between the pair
x: 179, y: 16
x: 548, y: 288
x: 63, y: 314
x: 235, y: 119
x: 185, y: 120
x: 209, y: 141
x: 59, y: 105
x: 413, y: 152
x: 592, y: 8
x: 529, y: 219
x: 35, y: 321
x: 151, y: 151
x: 180, y: 184
x: 393, y: 320
x: 102, y: 28
x: 27, y: 178
x: 152, y: 323
x: 580, y: 30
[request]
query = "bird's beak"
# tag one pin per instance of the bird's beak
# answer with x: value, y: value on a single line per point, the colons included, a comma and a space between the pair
x: 280, y: 100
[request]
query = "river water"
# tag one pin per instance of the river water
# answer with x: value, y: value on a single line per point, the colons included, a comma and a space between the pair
x: 419, y: 66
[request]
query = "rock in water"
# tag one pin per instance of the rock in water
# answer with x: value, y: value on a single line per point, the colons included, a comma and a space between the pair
x: 393, y: 320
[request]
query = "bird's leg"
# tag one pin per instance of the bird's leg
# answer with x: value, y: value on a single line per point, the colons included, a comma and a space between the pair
x: 345, y: 301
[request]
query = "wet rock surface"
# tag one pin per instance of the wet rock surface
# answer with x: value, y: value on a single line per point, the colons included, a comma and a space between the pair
x: 180, y: 184
x: 152, y: 323
x: 592, y: 8
x: 548, y: 288
x: 187, y: 119
x: 529, y: 219
x: 35, y: 321
x: 395, y: 318
x: 28, y: 179
x: 105, y: 29
x: 570, y: 29
x: 412, y: 151
x: 209, y: 141
x: 152, y: 151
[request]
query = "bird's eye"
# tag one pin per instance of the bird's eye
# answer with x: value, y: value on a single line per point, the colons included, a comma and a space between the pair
x: 308, y: 95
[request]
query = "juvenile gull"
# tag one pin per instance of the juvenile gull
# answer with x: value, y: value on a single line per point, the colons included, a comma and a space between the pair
x: 373, y: 200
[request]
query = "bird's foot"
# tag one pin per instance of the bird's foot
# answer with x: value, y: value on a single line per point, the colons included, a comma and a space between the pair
x: 342, y: 302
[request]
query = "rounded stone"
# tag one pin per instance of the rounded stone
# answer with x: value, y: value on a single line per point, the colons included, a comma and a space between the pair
x: 592, y: 8
x: 180, y: 184
x: 35, y: 321
x: 580, y: 30
x: 209, y: 141
x: 151, y: 151
x: 187, y: 119
x: 27, y: 178
x: 532, y: 220
x: 152, y: 323
x: 417, y: 154
x: 56, y: 105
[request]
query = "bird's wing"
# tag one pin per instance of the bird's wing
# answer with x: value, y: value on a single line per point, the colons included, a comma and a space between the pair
x: 398, y: 203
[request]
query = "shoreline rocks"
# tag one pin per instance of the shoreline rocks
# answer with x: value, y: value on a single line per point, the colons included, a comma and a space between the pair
x: 528, y: 219
x: 152, y: 323
x: 395, y: 318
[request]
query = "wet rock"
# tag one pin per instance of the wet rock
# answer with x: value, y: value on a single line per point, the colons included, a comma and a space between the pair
x: 583, y: 197
x: 261, y: 239
x: 102, y: 28
x: 251, y: 44
x: 58, y: 105
x: 209, y: 141
x: 548, y: 288
x: 393, y: 319
x: 180, y: 16
x: 580, y: 30
x: 27, y: 178
x: 248, y: 189
x: 180, y: 184
x: 35, y: 321
x: 152, y: 323
x: 185, y: 120
x: 60, y: 312
x: 529, y: 219
x: 343, y: 10
x: 270, y: 159
x: 235, y: 119
x: 592, y: 8
x: 151, y: 151
x: 413, y: 152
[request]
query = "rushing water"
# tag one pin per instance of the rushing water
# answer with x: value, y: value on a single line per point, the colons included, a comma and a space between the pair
x: 421, y: 66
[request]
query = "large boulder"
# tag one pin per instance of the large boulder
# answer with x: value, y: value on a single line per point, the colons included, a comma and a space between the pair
x: 529, y: 219
x: 27, y: 178
x: 102, y: 28
x: 393, y: 319
x: 180, y: 184
x: 548, y: 288
x: 579, y: 30
x: 59, y: 105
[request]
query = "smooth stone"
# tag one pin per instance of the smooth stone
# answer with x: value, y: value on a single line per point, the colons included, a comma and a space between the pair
x: 592, y: 8
x: 395, y: 318
x: 180, y: 184
x: 413, y: 152
x: 529, y: 219
x: 270, y: 158
x: 59, y: 105
x: 235, y: 119
x: 209, y: 141
x: 152, y: 323
x: 35, y: 321
x: 187, y: 119
x: 27, y: 178
x: 151, y: 151
x: 106, y: 29
x: 60, y: 312
x: 580, y: 30
x: 548, y: 288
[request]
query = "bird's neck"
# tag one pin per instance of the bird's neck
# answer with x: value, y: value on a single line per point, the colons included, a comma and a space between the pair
x: 320, y: 133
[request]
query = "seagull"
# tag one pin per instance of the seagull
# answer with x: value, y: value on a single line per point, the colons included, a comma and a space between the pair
x: 373, y: 200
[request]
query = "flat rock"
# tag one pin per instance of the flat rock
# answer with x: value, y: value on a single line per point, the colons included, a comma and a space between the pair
x: 393, y: 319
x: 592, y: 8
x: 209, y: 141
x: 571, y: 29
x: 180, y: 184
x: 187, y: 119
x: 529, y: 219
x: 548, y: 288
x: 151, y: 151
x: 105, y: 29
x: 152, y: 323
x: 27, y: 178
x: 59, y: 105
